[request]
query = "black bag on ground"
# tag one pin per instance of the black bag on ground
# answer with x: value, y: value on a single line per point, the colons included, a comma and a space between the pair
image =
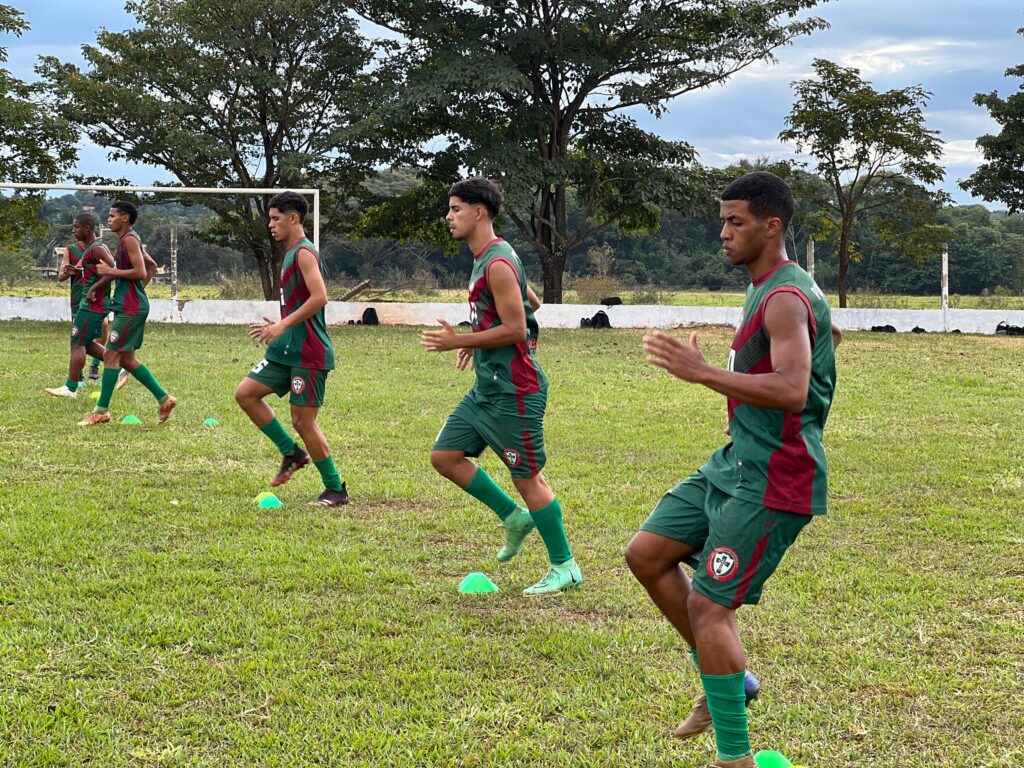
x: 1005, y: 329
x: 883, y: 329
x: 370, y: 316
x: 600, y: 320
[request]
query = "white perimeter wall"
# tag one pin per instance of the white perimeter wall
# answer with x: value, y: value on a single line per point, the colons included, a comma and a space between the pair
x: 550, y: 316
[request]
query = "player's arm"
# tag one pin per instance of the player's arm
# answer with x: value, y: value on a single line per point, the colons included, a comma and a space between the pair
x: 534, y: 301
x: 138, y: 262
x: 310, y: 268
x: 150, y: 268
x: 837, y: 335
x: 64, y: 269
x: 102, y: 255
x: 508, y: 302
x: 785, y: 388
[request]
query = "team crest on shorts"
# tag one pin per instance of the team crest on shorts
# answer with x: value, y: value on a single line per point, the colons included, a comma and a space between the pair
x: 298, y: 385
x: 114, y: 336
x: 74, y: 330
x: 722, y: 564
x: 512, y: 457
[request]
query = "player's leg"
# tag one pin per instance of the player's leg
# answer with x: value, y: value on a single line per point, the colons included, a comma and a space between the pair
x: 131, y: 335
x: 745, y: 544
x: 308, y: 387
x: 111, y: 365
x: 546, y: 513
x: 264, y: 379
x: 74, y: 377
x: 459, y: 439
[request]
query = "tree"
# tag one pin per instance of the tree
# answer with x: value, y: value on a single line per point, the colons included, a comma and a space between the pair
x: 532, y: 92
x: 870, y: 147
x: 1001, y: 176
x: 230, y: 93
x: 35, y: 145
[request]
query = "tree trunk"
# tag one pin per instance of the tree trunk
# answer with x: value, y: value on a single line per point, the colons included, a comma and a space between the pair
x: 269, y: 258
x: 844, y: 263
x: 553, y: 264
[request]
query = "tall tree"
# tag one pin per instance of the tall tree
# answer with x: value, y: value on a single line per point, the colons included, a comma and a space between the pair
x: 1001, y: 176
x: 870, y: 146
x: 35, y: 145
x: 229, y: 93
x: 534, y: 93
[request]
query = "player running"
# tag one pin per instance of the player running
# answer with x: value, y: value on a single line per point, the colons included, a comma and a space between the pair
x: 299, y: 355
x: 505, y: 407
x: 745, y: 507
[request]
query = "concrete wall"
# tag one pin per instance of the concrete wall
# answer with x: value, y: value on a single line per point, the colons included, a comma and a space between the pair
x: 549, y: 316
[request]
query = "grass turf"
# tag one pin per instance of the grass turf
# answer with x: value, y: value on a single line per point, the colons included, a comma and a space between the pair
x: 150, y: 614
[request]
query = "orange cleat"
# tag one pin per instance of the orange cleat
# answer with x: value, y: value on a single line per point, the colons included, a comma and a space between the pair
x: 94, y: 418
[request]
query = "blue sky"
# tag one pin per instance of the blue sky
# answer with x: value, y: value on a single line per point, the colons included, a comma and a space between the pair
x: 952, y: 48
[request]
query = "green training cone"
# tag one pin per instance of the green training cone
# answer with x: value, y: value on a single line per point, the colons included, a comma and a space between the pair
x: 477, y: 583
x: 95, y: 395
x: 131, y: 420
x: 262, y: 496
x: 210, y: 422
x: 270, y: 501
x: 769, y: 758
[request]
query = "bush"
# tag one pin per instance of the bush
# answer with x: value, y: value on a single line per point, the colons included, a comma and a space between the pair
x: 592, y: 289
x: 15, y: 267
x: 247, y: 287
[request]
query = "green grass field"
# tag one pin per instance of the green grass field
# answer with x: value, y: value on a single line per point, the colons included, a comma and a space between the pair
x: 151, y: 615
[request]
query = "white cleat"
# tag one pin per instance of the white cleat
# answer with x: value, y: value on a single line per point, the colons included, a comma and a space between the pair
x: 61, y: 391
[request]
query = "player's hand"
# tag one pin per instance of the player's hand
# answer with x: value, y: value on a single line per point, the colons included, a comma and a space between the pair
x: 266, y: 331
x: 103, y: 269
x: 684, y: 361
x: 90, y: 295
x: 464, y: 358
x: 441, y: 341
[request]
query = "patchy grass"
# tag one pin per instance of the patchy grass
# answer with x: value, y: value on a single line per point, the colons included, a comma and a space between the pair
x: 151, y: 615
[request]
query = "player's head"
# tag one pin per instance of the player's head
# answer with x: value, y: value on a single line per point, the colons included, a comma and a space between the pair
x: 755, y: 210
x: 122, y: 216
x: 471, y: 203
x: 287, y: 212
x: 83, y: 228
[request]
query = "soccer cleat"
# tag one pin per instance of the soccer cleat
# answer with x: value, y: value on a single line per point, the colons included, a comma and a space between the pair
x: 122, y: 379
x: 331, y: 498
x: 559, y: 578
x: 517, y: 527
x: 94, y: 418
x: 743, y: 762
x: 699, y: 720
x: 165, y: 408
x: 290, y: 464
x: 94, y: 373
x: 61, y: 391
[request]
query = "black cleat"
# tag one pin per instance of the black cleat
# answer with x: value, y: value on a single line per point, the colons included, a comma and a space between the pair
x: 94, y: 373
x: 290, y: 464
x: 331, y: 498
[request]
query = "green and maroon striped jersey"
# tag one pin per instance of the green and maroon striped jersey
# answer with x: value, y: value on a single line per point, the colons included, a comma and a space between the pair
x: 777, y: 458
x: 307, y: 344
x: 129, y: 295
x: 75, y: 255
x: 511, y: 370
x: 89, y: 276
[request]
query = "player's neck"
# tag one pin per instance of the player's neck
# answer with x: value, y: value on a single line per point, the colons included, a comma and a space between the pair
x: 480, y: 238
x: 294, y: 238
x: 769, y: 259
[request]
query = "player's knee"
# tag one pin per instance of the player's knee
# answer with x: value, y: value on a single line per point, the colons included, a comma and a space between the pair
x: 639, y: 561
x: 704, y: 612
x: 442, y: 462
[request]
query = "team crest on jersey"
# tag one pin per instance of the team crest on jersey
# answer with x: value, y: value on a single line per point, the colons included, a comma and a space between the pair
x: 512, y: 457
x: 722, y: 564
x: 114, y: 336
x: 298, y: 385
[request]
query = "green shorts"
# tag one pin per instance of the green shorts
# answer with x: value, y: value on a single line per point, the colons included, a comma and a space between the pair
x: 307, y: 385
x: 740, y: 543
x: 87, y: 327
x: 512, y: 425
x: 126, y: 332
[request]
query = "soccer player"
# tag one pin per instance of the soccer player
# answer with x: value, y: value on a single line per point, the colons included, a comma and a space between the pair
x: 88, y: 308
x: 299, y: 355
x: 745, y: 507
x: 505, y: 407
x: 131, y: 272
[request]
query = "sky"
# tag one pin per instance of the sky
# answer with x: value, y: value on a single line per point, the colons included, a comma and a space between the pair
x: 952, y: 48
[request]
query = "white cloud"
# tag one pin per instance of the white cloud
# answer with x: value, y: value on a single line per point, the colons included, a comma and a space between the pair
x: 962, y: 152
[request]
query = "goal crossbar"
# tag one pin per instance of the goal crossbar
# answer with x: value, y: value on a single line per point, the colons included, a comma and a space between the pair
x: 315, y: 193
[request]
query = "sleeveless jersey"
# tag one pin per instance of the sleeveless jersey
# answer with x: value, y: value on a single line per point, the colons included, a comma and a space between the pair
x: 75, y: 255
x: 89, y: 277
x: 129, y: 295
x: 511, y: 370
x: 777, y: 458
x: 307, y: 344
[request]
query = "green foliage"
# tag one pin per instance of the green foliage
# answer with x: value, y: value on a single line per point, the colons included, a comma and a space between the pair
x: 15, y: 266
x: 871, y: 149
x: 532, y: 94
x: 1001, y: 176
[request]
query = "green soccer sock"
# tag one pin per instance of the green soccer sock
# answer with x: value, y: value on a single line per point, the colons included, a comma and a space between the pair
x: 487, y: 492
x: 107, y: 385
x: 727, y: 704
x: 332, y: 480
x: 145, y: 378
x: 71, y: 384
x: 549, y: 525
x: 693, y: 655
x: 284, y: 442
x: 96, y: 361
